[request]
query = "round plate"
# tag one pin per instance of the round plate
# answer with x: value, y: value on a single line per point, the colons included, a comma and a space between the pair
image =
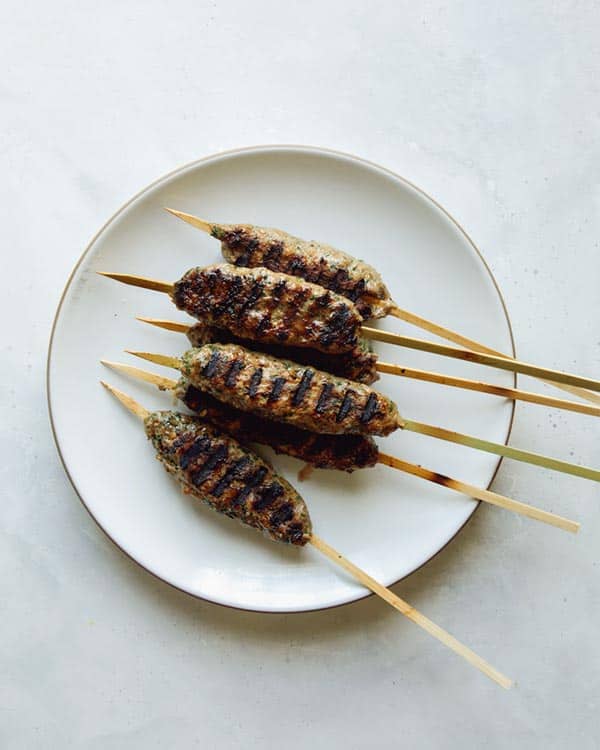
x: 386, y: 522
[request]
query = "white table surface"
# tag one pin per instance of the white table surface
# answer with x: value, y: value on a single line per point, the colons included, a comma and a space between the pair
x: 494, y: 110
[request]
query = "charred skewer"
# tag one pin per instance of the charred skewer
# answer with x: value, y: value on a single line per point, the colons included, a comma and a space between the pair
x: 341, y: 452
x: 286, y: 392
x: 363, y: 369
x: 249, y: 245
x: 216, y: 469
x: 258, y: 304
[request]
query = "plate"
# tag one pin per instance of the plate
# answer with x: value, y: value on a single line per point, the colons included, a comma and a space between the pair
x: 386, y: 522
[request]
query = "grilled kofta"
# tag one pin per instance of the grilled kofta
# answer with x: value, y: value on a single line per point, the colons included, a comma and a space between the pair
x: 213, y: 467
x: 358, y: 365
x: 258, y: 304
x: 287, y: 392
x: 341, y: 452
x: 252, y: 246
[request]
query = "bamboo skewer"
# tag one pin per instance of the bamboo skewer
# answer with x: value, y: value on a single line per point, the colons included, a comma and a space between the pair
x: 411, y: 613
x: 515, y: 394
x: 195, y: 221
x: 513, y: 365
x: 370, y: 583
x: 486, y: 359
x: 433, y: 377
x: 517, y: 454
x: 412, y: 319
x: 438, y: 432
x: 487, y: 496
x: 129, y: 403
x: 463, y: 341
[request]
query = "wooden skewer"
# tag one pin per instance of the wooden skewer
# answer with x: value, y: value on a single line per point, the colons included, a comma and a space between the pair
x: 141, y: 281
x: 415, y: 320
x: 490, y: 360
x: 515, y: 394
x: 442, y: 434
x: 517, y: 454
x: 168, y: 325
x: 370, y: 583
x: 195, y: 221
x: 476, y: 346
x: 410, y: 612
x: 433, y: 377
x: 392, y: 338
x: 454, y: 484
x: 127, y: 401
x: 501, y: 501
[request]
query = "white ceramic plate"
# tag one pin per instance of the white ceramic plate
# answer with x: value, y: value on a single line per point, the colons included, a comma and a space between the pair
x: 384, y: 521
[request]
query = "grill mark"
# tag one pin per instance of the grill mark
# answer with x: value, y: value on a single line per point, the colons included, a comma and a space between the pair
x: 213, y: 461
x: 323, y: 401
x: 273, y: 256
x: 230, y: 475
x: 369, y: 410
x: 282, y: 514
x: 338, y: 281
x: 232, y: 375
x: 253, y: 481
x: 234, y: 288
x: 340, y: 317
x: 333, y: 329
x: 300, y: 392
x: 251, y: 299
x: 276, y: 389
x: 255, y: 382
x: 269, y: 494
x: 356, y: 291
x: 297, y: 267
x: 279, y: 289
x: 262, y: 324
x: 211, y: 366
x: 345, y: 407
x: 248, y: 247
x: 295, y: 533
x: 196, y: 448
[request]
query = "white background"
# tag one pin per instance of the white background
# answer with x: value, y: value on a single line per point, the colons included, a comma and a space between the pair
x: 494, y: 109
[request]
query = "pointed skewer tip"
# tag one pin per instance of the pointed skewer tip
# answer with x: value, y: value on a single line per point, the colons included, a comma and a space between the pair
x: 195, y: 221
x: 129, y: 403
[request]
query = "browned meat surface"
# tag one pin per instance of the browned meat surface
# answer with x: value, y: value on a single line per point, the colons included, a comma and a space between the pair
x: 287, y: 392
x: 248, y: 245
x: 358, y: 365
x: 213, y: 467
x: 342, y: 452
x: 258, y: 304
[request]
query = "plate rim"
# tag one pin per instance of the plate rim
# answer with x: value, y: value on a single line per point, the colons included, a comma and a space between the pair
x: 319, y: 151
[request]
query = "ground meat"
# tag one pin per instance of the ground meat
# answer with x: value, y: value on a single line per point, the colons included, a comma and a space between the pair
x: 252, y: 246
x: 258, y: 304
x: 284, y: 391
x: 359, y: 365
x: 213, y: 467
x: 341, y: 452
